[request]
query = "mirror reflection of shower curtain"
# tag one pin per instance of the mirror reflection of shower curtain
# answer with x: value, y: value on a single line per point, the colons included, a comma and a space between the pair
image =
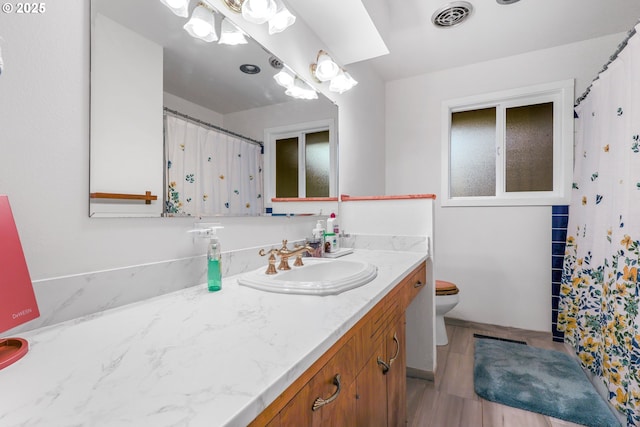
x: 600, y: 290
x: 210, y: 172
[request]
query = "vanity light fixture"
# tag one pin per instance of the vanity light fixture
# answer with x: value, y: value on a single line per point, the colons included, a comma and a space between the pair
x: 282, y: 20
x: 234, y: 5
x: 179, y: 7
x: 202, y: 24
x: 258, y: 11
x: 301, y: 90
x: 230, y: 34
x: 342, y: 82
x: 325, y: 68
x: 285, y: 77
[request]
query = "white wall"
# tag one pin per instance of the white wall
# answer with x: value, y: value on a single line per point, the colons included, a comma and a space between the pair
x: 44, y: 155
x: 500, y: 257
x: 194, y: 110
x: 361, y: 135
x: 253, y: 122
x: 126, y: 119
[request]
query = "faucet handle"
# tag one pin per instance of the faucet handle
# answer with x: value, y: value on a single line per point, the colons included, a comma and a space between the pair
x: 271, y: 269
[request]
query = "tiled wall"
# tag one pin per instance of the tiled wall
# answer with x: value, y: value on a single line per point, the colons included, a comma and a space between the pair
x: 559, y: 220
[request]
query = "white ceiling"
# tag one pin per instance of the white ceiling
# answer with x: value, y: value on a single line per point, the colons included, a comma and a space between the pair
x: 493, y: 30
x: 204, y: 73
x: 396, y: 37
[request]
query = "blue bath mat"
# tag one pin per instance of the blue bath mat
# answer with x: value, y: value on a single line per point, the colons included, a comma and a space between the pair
x: 537, y: 380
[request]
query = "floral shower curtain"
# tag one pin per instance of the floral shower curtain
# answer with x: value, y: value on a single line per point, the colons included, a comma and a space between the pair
x: 600, y: 292
x: 210, y: 172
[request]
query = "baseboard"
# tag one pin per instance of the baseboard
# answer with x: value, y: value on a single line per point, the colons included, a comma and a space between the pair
x: 419, y: 373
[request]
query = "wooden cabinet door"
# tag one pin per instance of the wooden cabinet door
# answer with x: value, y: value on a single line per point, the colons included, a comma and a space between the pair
x: 371, y: 390
x: 275, y: 422
x: 397, y: 375
x: 329, y: 398
x: 338, y: 413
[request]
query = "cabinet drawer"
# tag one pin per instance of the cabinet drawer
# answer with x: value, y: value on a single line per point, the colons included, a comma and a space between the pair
x: 379, y: 318
x: 414, y: 283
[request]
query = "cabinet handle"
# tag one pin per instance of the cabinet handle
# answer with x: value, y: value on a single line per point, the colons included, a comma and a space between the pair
x: 385, y: 367
x: 320, y: 402
x: 395, y: 356
x: 418, y: 284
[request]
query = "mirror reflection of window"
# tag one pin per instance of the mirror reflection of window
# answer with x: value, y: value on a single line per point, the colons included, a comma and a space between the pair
x: 303, y: 162
x: 317, y: 164
x: 287, y: 167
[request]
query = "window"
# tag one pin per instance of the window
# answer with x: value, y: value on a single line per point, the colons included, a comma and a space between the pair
x: 301, y: 161
x: 509, y: 148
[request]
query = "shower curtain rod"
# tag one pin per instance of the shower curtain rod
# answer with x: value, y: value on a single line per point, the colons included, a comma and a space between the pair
x: 612, y: 58
x: 209, y: 125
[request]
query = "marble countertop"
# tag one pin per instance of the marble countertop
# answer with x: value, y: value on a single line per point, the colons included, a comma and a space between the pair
x: 186, y: 358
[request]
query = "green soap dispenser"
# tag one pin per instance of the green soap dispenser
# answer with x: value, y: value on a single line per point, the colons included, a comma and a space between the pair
x: 214, y: 263
x: 214, y: 254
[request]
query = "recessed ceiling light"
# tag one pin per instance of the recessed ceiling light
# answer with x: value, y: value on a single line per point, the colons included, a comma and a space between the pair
x: 249, y: 69
x: 507, y: 1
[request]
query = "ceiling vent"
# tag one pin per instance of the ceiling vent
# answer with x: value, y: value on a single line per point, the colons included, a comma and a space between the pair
x: 452, y: 14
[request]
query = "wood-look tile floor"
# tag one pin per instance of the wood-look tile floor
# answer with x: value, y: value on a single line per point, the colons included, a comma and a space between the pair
x: 450, y: 401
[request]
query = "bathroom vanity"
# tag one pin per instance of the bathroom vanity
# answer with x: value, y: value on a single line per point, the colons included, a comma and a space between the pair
x: 361, y: 379
x: 231, y: 358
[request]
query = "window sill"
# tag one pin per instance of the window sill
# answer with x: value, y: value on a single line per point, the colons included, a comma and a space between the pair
x: 506, y: 201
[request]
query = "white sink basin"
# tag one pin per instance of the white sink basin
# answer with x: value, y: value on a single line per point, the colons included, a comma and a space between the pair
x: 318, y: 276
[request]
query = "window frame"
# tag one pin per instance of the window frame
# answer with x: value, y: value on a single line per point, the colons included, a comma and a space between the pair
x: 561, y: 94
x: 299, y: 130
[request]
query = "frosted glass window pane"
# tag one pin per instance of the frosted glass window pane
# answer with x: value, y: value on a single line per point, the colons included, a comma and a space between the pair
x: 529, y: 148
x: 287, y: 167
x: 317, y: 161
x: 473, y: 148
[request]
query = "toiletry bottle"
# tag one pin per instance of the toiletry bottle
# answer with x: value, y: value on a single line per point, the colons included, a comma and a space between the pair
x: 214, y: 266
x: 317, y: 242
x: 329, y: 242
x: 333, y: 227
x: 318, y: 232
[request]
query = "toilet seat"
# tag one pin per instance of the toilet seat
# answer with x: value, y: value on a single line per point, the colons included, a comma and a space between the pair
x: 446, y: 288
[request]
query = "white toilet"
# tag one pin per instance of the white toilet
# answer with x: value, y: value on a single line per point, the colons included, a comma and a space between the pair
x: 446, y: 298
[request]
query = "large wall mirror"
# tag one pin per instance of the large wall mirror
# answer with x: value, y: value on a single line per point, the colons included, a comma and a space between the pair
x: 158, y: 96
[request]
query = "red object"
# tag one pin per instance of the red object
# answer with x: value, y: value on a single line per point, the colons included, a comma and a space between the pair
x: 18, y: 301
x: 347, y: 198
x: 12, y: 350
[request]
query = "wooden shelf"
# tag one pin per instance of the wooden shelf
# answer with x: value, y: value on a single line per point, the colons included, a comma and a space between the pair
x: 147, y: 196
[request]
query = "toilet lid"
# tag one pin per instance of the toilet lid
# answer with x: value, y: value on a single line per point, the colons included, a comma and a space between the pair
x: 446, y: 288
